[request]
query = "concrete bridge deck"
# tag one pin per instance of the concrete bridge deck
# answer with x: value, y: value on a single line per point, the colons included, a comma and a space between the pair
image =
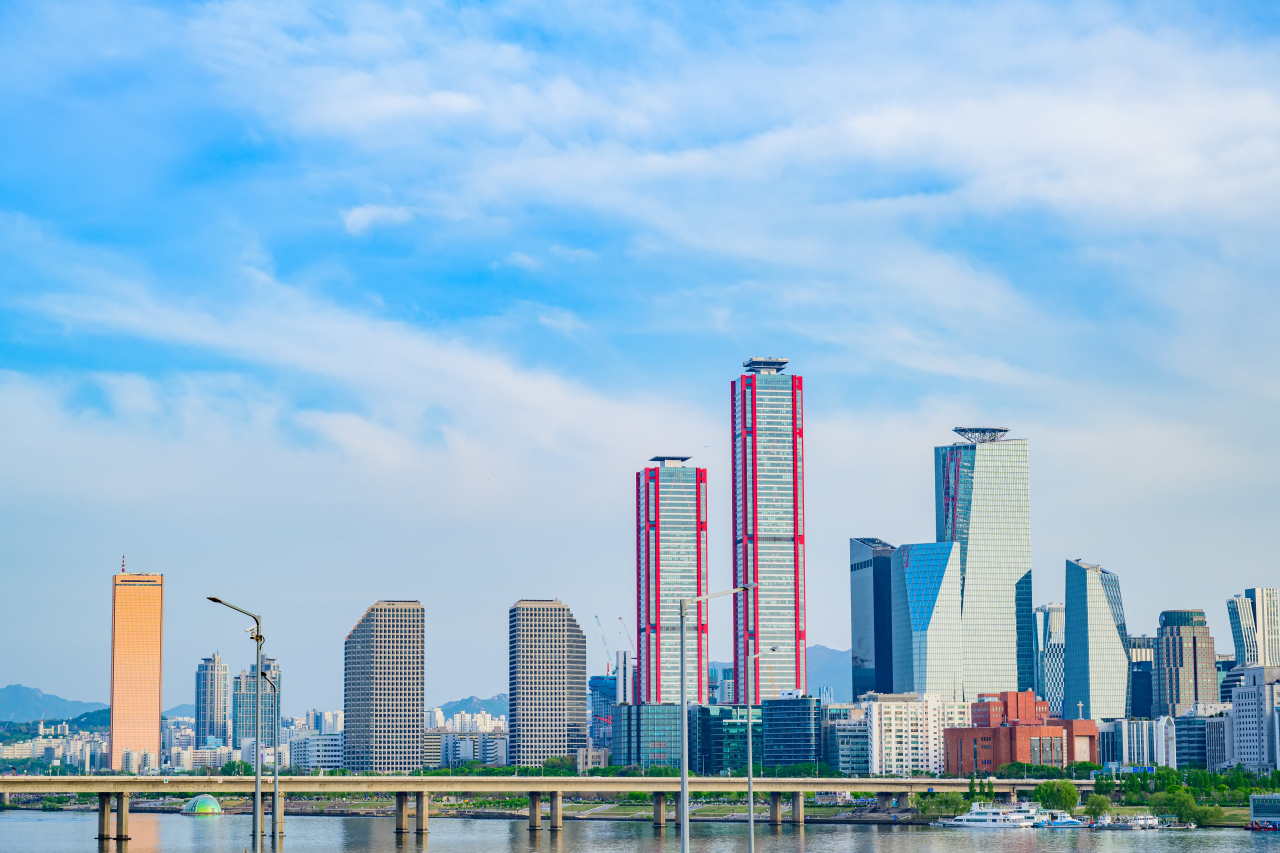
x: 534, y: 787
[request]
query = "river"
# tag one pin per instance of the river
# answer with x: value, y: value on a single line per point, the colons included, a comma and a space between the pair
x: 73, y: 832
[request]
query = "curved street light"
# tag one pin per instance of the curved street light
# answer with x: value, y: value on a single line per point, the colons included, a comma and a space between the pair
x: 255, y: 634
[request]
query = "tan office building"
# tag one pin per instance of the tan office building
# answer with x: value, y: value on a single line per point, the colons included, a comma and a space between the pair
x: 548, y: 683
x: 137, y: 641
x: 383, y: 685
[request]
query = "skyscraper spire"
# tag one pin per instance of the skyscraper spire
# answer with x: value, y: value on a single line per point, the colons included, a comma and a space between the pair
x: 122, y: 564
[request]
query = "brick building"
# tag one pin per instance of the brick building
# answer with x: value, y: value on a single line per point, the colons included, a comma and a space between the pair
x: 1016, y: 727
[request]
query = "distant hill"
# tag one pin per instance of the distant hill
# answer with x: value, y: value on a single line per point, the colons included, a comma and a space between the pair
x: 827, y: 668
x: 187, y: 710
x: 24, y: 704
x: 93, y: 720
x: 497, y: 706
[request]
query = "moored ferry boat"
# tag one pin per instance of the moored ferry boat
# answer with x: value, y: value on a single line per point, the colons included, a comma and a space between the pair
x: 1054, y: 819
x: 989, y: 816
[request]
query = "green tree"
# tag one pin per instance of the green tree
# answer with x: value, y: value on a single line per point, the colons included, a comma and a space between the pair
x: 1096, y: 806
x: 236, y: 768
x: 1104, y: 785
x: 949, y: 803
x: 1058, y: 794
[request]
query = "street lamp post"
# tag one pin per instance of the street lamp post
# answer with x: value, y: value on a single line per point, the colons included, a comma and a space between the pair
x: 277, y: 817
x: 751, y: 790
x: 256, y: 636
x: 684, y: 715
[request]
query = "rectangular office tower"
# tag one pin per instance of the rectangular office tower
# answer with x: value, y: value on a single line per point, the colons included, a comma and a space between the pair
x: 1096, y: 682
x: 382, y: 687
x: 213, y: 702
x: 982, y: 501
x: 1185, y: 670
x: 768, y: 528
x: 1050, y: 653
x: 926, y: 601
x: 547, y: 686
x: 671, y: 564
x: 137, y: 650
x: 871, y: 612
x: 1255, y: 626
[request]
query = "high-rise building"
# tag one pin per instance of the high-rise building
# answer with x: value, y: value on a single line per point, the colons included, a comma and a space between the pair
x: 1185, y: 670
x: 1255, y: 714
x: 604, y: 694
x: 1266, y: 616
x: 382, y: 687
x: 1244, y: 630
x: 927, y: 594
x: 137, y: 650
x: 871, y: 606
x: 982, y: 501
x: 671, y: 564
x: 624, y: 670
x: 768, y: 528
x: 547, y: 683
x: 1141, y: 688
x: 1096, y: 670
x: 213, y: 702
x: 906, y: 732
x: 1050, y: 653
x: 244, y: 717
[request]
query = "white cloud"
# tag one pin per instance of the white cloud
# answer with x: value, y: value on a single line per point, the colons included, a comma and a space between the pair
x: 520, y: 259
x: 362, y: 218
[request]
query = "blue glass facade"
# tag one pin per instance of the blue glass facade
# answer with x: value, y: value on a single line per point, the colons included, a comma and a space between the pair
x: 1097, y: 654
x: 1050, y: 654
x: 927, y: 619
x: 603, y: 691
x: 792, y: 731
x: 646, y: 736
x: 718, y: 738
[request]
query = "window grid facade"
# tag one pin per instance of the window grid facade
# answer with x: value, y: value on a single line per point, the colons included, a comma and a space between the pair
x: 1096, y: 659
x: 1266, y: 616
x: 927, y: 620
x: 1185, y: 670
x: 137, y: 645
x: 213, y: 701
x: 1050, y: 654
x: 982, y: 499
x: 792, y: 731
x: 547, y: 683
x: 871, y: 614
x: 1244, y: 630
x: 244, y: 719
x: 383, y: 703
x: 768, y: 528
x: 671, y: 564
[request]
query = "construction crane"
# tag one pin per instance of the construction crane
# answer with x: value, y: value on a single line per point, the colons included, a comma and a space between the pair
x: 627, y: 634
x: 608, y: 654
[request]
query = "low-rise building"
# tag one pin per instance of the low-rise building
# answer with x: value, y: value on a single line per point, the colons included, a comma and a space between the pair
x: 646, y: 736
x: 589, y: 758
x: 718, y: 738
x: 316, y: 751
x: 1014, y: 727
x: 846, y: 738
x: 1138, y: 743
x: 905, y: 731
x: 792, y: 731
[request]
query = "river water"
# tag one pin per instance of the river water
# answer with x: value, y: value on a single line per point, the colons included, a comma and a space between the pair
x: 73, y: 832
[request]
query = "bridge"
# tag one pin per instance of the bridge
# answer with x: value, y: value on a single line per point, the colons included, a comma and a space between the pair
x: 533, y: 787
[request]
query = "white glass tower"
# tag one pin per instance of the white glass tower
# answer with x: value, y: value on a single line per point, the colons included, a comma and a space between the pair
x: 671, y: 564
x: 1050, y: 653
x: 768, y: 527
x: 1244, y: 631
x: 1266, y: 618
x: 1096, y: 683
x: 982, y: 500
x: 926, y: 601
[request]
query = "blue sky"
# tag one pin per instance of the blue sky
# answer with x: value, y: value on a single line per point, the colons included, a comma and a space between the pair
x: 308, y: 305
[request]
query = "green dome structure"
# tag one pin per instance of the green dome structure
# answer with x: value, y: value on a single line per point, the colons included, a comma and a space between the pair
x: 205, y: 804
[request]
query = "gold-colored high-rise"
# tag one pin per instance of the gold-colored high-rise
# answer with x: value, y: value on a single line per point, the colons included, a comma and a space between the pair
x: 137, y: 638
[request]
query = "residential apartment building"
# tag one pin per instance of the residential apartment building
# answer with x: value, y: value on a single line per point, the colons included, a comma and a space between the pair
x: 767, y: 429
x: 383, y: 707
x: 547, y: 676
x: 1096, y: 671
x: 213, y: 703
x: 671, y: 564
x: 905, y: 732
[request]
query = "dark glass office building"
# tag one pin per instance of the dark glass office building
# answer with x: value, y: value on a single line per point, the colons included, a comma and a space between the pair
x: 1140, y: 689
x: 792, y: 731
x: 718, y: 738
x: 870, y: 565
x: 646, y: 736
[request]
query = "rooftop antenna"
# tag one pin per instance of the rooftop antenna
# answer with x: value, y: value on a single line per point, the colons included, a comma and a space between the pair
x: 981, y: 435
x: 122, y: 564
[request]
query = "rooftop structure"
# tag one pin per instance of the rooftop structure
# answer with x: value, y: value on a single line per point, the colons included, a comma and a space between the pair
x: 981, y: 435
x: 766, y: 364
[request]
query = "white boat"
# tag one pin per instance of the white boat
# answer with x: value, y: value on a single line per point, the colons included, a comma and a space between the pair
x: 1054, y: 819
x: 989, y: 816
x: 1127, y: 822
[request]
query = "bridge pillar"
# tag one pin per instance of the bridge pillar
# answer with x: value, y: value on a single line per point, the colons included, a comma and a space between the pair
x: 535, y: 810
x: 557, y: 809
x: 421, y: 805
x: 402, y: 812
x: 775, y: 808
x: 122, y: 817
x: 104, y: 816
x: 4, y: 799
x: 884, y: 799
x: 797, y: 807
x: 659, y: 808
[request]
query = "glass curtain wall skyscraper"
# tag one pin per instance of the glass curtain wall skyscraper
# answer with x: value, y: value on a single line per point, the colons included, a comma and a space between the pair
x: 926, y: 601
x: 1096, y: 683
x: 982, y: 500
x: 1050, y: 653
x: 137, y: 646
x: 671, y: 564
x: 213, y: 701
x: 871, y: 611
x: 244, y: 718
x: 1244, y: 630
x: 768, y: 528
